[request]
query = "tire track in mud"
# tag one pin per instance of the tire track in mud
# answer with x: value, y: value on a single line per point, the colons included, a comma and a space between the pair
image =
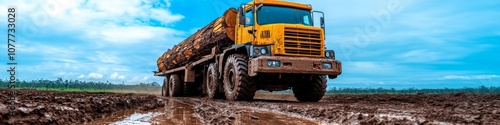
x: 459, y: 108
x: 313, y: 113
x: 228, y: 112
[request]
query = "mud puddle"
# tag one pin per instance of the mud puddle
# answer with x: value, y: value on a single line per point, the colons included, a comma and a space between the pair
x: 174, y: 113
x: 179, y: 113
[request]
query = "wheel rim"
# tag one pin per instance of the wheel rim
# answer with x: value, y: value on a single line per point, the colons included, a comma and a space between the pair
x: 232, y: 80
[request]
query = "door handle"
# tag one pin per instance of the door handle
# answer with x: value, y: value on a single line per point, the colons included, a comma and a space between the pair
x: 252, y: 31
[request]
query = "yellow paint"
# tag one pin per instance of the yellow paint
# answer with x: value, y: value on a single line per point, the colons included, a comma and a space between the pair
x: 281, y: 3
x: 302, y: 43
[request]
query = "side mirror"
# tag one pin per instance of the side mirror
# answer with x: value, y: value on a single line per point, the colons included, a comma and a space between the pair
x: 242, y: 19
x: 322, y: 22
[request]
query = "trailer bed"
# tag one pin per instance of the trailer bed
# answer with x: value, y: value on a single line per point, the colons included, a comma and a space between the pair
x: 193, y: 64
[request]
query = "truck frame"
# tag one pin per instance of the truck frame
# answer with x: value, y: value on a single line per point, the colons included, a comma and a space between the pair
x: 272, y: 56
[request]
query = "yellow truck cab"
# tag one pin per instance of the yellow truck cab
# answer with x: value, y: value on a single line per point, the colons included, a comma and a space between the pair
x: 284, y: 39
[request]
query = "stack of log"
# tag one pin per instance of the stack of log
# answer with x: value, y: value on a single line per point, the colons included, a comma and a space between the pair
x: 219, y: 32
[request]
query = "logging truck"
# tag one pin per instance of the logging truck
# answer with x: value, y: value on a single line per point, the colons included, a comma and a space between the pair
x: 263, y: 45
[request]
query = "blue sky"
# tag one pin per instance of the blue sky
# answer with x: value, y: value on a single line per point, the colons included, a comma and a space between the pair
x: 382, y: 43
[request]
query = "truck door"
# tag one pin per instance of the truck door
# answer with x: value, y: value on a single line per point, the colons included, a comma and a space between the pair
x: 245, y: 32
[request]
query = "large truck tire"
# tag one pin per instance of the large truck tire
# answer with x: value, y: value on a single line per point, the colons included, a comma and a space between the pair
x: 310, y: 90
x: 175, y: 86
x: 212, y: 81
x: 164, y: 87
x: 237, y: 83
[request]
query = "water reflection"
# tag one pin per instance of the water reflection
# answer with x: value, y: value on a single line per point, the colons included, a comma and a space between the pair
x: 176, y: 113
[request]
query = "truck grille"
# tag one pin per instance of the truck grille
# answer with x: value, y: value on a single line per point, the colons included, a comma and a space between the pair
x: 303, y: 42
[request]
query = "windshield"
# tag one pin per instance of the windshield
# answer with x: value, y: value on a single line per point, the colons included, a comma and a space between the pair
x: 278, y: 14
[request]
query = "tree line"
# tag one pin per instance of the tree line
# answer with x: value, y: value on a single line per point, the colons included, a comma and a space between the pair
x: 480, y: 89
x: 61, y: 84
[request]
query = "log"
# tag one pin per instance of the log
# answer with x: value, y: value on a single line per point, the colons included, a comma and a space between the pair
x: 219, y: 33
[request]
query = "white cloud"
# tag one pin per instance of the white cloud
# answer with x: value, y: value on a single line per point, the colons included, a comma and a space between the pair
x: 113, y: 21
x: 130, y: 34
x: 115, y: 76
x: 94, y: 75
x: 165, y: 16
x: 103, y: 57
x: 81, y: 76
x: 461, y: 77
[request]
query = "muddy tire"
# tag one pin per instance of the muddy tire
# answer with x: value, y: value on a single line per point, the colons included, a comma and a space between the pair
x: 164, y: 87
x: 237, y: 84
x: 212, y: 82
x: 310, y: 90
x: 175, y: 86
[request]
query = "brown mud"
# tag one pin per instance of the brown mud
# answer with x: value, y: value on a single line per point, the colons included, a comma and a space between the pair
x: 458, y: 108
x: 49, y: 107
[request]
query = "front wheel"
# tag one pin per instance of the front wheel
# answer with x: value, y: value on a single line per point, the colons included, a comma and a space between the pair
x: 310, y: 90
x: 237, y: 84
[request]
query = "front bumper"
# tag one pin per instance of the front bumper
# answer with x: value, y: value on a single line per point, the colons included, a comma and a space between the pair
x: 294, y: 65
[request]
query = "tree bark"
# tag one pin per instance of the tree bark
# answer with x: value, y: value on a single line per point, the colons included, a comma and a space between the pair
x: 219, y: 32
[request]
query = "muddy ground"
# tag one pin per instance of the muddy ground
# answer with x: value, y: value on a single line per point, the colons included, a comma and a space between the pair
x: 460, y: 108
x: 51, y: 107
x: 115, y: 108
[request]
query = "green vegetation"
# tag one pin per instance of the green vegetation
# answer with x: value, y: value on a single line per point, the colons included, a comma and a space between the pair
x: 76, y: 85
x: 480, y: 89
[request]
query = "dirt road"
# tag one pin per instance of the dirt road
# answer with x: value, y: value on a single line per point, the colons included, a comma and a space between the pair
x: 114, y: 108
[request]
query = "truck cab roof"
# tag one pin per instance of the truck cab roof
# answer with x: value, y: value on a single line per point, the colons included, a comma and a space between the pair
x: 279, y: 3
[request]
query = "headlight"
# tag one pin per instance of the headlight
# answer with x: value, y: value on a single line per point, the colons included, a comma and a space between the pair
x: 273, y: 63
x: 329, y: 54
x: 256, y: 51
x: 327, y: 65
x: 260, y: 51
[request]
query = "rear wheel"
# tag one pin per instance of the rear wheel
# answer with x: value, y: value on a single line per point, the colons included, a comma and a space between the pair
x: 212, y: 82
x: 175, y: 86
x: 310, y: 90
x: 164, y: 88
x: 237, y: 84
